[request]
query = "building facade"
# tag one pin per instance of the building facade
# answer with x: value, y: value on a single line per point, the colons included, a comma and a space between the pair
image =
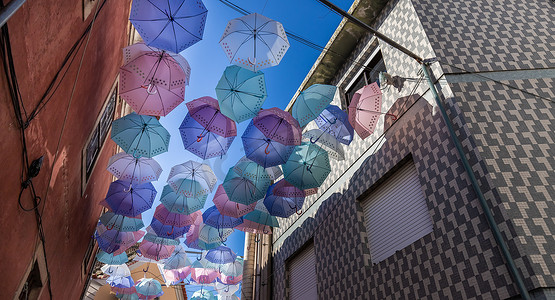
x: 399, y: 219
x: 65, y: 96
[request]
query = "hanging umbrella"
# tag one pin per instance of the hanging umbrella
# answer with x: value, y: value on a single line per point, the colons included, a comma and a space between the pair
x: 221, y: 255
x: 175, y: 276
x: 181, y: 204
x: 202, y: 142
x: 226, y: 289
x: 307, y: 167
x: 203, y: 295
x: 254, y: 42
x: 136, y: 170
x: 261, y: 216
x: 155, y: 251
x: 204, y: 276
x: 283, y: 206
x: 168, y: 231
x: 192, y: 179
x: 140, y: 135
x: 229, y: 208
x: 241, y: 93
x: 191, y: 239
x: 278, y: 125
x: 230, y: 280
x: 253, y: 227
x: 365, y: 109
x: 130, y: 200
x: 210, y: 235
x: 233, y: 269
x: 177, y: 260
x: 204, y: 263
x: 112, y: 240
x: 162, y: 240
x: 215, y: 219
x: 335, y: 121
x: 244, y: 189
x: 149, y: 287
x: 172, y: 25
x: 174, y: 219
x: 311, y: 102
x: 262, y: 150
x: 327, y: 142
x: 122, y: 290
x: 116, y: 270
x: 113, y: 221
x: 206, y: 111
x: 110, y: 259
x: 202, y: 245
x: 128, y: 296
x: 152, y: 81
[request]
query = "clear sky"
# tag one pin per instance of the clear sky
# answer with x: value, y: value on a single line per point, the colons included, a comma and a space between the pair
x: 306, y: 18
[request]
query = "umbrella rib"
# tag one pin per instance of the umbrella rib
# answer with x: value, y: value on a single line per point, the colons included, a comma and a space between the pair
x: 192, y: 16
x: 241, y: 45
x: 157, y: 7
x: 188, y: 31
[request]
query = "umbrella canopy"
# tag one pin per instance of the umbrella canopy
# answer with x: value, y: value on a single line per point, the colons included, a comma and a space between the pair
x: 114, y: 221
x: 111, y: 259
x: 221, y: 255
x: 202, y: 142
x: 365, y: 110
x: 215, y: 219
x: 283, y: 206
x: 191, y: 239
x: 279, y: 126
x: 168, y: 231
x: 335, y: 121
x: 192, y: 179
x: 254, y: 42
x: 211, y: 235
x: 241, y: 93
x: 181, y: 204
x: 203, y: 295
x: 152, y: 81
x: 253, y: 227
x: 307, y: 167
x: 229, y: 208
x: 136, y: 170
x: 155, y: 251
x: 116, y: 270
x: 262, y: 150
x: 261, y: 216
x: 206, y: 111
x: 174, y: 219
x: 129, y: 200
x: 327, y: 142
x: 234, y: 268
x: 122, y: 290
x: 148, y: 287
x: 177, y: 260
x: 112, y: 240
x: 175, y: 276
x: 230, y: 280
x: 244, y: 189
x: 172, y: 25
x: 311, y: 102
x: 226, y: 289
x: 204, y: 276
x: 140, y: 135
x: 162, y: 240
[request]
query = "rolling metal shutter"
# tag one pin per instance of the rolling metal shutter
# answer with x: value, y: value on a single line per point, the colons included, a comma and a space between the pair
x: 302, y: 275
x: 396, y: 214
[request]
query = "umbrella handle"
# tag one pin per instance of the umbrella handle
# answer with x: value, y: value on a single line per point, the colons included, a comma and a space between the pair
x: 308, y: 168
x: 181, y: 210
x: 392, y: 115
x: 226, y: 289
x: 147, y: 267
x: 135, y: 154
x: 266, y: 150
x: 298, y: 212
x: 334, y: 121
x: 265, y: 231
x: 149, y: 89
x: 314, y: 141
x: 199, y: 258
x: 139, y: 254
x: 170, y: 233
x: 199, y: 138
x: 111, y: 227
x: 237, y: 206
x: 250, y: 62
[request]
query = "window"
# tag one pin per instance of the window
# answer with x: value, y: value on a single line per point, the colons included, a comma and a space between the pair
x: 302, y: 275
x: 370, y: 74
x: 89, y: 7
x: 33, y: 284
x: 396, y: 214
x: 98, y: 136
x: 88, y: 256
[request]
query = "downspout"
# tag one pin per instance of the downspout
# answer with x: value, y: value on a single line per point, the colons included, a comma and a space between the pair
x: 9, y: 10
x: 511, y: 266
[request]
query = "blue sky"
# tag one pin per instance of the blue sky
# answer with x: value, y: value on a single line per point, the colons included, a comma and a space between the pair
x: 306, y: 18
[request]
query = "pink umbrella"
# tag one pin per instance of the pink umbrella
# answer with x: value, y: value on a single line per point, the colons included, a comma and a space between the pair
x: 253, y: 227
x: 365, y: 110
x: 230, y: 280
x: 155, y: 251
x: 204, y: 276
x: 124, y: 245
x: 229, y: 208
x: 191, y: 239
x: 278, y: 125
x: 153, y: 81
x: 166, y: 217
x: 176, y: 275
x: 206, y: 111
x: 124, y: 290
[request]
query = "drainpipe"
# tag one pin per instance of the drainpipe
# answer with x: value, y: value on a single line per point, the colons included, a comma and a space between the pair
x: 511, y: 266
x: 7, y: 11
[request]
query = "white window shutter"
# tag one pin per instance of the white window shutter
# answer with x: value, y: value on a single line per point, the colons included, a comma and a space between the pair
x: 302, y: 275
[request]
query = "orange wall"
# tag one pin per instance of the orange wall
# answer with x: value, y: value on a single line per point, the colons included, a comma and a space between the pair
x: 41, y: 34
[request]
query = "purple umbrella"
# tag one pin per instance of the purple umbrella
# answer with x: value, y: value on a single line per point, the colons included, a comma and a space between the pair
x: 110, y: 241
x: 168, y: 231
x: 130, y: 200
x: 174, y: 219
x: 283, y: 199
x: 278, y: 125
x: 262, y: 150
x: 201, y: 141
x: 335, y: 121
x: 155, y: 251
x: 221, y: 255
x: 206, y: 111
x: 215, y: 219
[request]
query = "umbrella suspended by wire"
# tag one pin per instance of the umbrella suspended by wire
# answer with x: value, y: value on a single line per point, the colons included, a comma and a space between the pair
x: 129, y: 200
x: 311, y: 102
x: 136, y: 170
x: 215, y: 219
x: 211, y: 235
x: 149, y: 287
x: 335, y: 121
x: 284, y: 205
x: 241, y: 93
x: 175, y: 276
x: 111, y: 259
x: 254, y: 42
x: 176, y: 203
x: 233, y: 269
x: 172, y: 25
x: 152, y: 81
x: 168, y: 231
x: 192, y: 179
x: 221, y: 255
x: 243, y: 187
x: 113, y: 240
x: 327, y: 142
x: 204, y: 276
x: 113, y: 221
x: 262, y: 150
x: 155, y: 251
x: 307, y: 167
x: 261, y: 216
x: 177, y: 260
x: 253, y: 227
x: 206, y: 111
x: 201, y: 141
x: 365, y: 110
x: 226, y: 291
x: 140, y: 135
x: 229, y: 208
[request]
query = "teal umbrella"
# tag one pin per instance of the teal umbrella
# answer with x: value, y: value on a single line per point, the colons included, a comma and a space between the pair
x: 111, y: 259
x: 192, y: 179
x: 178, y: 259
x: 179, y: 203
x: 121, y: 223
x: 311, y: 102
x: 241, y: 93
x: 140, y: 135
x: 153, y: 238
x: 212, y: 235
x: 246, y: 183
x: 149, y: 287
x: 307, y: 167
x: 261, y: 215
x: 203, y: 295
x: 234, y: 268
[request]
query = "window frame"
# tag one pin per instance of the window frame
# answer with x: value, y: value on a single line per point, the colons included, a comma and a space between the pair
x: 363, y: 73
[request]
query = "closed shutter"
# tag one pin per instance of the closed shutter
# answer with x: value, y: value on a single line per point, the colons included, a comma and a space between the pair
x: 396, y: 214
x: 302, y: 275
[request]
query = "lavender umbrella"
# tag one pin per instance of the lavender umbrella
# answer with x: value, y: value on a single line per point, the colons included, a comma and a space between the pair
x: 168, y: 231
x: 137, y: 170
x: 335, y: 121
x: 262, y: 150
x: 155, y: 251
x: 113, y: 240
x: 213, y: 218
x: 192, y: 179
x: 284, y: 205
x: 279, y: 126
x: 174, y: 219
x: 206, y: 111
x: 129, y: 200
x: 221, y: 255
x: 202, y: 142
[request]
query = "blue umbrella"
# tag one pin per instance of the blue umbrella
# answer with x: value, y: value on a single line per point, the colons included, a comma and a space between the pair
x: 311, y: 102
x: 172, y: 25
x: 110, y: 259
x: 128, y: 200
x: 202, y: 142
x: 262, y: 150
x: 307, y: 167
x: 221, y: 255
x: 114, y: 221
x: 282, y: 206
x: 214, y: 218
x: 168, y: 231
x: 241, y: 93
x: 181, y: 204
x: 335, y: 121
x: 140, y: 135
